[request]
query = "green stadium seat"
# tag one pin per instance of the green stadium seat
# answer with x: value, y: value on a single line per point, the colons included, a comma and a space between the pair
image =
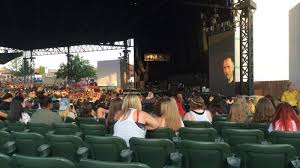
x: 220, y: 118
x: 69, y: 120
x: 291, y: 138
x: 95, y: 130
x: 2, y: 126
x: 31, y: 144
x: 262, y: 126
x: 40, y: 128
x: 198, y: 134
x: 41, y: 162
x: 154, y: 152
x: 265, y: 156
x: 204, y: 154
x: 235, y: 137
x: 67, y: 146
x: 15, y: 126
x: 86, y: 120
x: 101, y: 164
x: 106, y: 148
x: 220, y: 125
x: 197, y: 124
x: 161, y: 133
x: 5, y: 161
x: 101, y: 121
x: 7, y: 145
x: 66, y: 129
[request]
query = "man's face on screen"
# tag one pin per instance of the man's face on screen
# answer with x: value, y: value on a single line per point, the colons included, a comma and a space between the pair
x: 228, y: 68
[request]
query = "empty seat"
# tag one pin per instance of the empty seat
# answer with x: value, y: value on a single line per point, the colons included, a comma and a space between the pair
x: 235, y: 137
x: 204, y: 154
x: 5, y: 161
x: 86, y: 120
x: 262, y: 126
x: 198, y: 134
x: 15, y: 126
x: 153, y: 152
x: 40, y: 128
x: 161, y: 133
x: 220, y: 125
x: 101, y: 164
x: 67, y: 146
x: 265, y: 156
x: 2, y: 126
x: 6, y: 143
x: 41, y: 162
x: 197, y: 124
x: 66, y: 129
x: 30, y: 144
x: 220, y: 118
x: 106, y: 148
x: 96, y: 130
x: 281, y: 137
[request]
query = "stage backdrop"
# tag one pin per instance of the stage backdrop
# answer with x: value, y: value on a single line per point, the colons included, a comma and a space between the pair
x: 221, y: 63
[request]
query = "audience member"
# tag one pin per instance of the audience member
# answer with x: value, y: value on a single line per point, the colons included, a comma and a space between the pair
x: 16, y: 111
x: 198, y: 111
x: 264, y: 111
x: 236, y: 113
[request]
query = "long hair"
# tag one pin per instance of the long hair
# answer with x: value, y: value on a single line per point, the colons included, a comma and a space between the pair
x: 131, y: 101
x: 114, y: 107
x: 236, y: 113
x: 264, y: 111
x: 16, y: 109
x: 245, y: 107
x: 169, y: 111
x: 283, y: 117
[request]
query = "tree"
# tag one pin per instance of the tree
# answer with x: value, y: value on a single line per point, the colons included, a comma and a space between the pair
x: 20, y: 67
x: 79, y: 68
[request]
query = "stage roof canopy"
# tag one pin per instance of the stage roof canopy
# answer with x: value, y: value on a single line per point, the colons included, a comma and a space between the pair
x: 36, y: 24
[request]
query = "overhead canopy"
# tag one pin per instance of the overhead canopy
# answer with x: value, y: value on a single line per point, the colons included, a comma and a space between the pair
x: 35, y: 24
x: 6, y: 57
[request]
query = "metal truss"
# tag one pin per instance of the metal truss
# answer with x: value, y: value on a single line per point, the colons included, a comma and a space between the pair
x: 9, y: 50
x: 246, y: 8
x: 83, y: 48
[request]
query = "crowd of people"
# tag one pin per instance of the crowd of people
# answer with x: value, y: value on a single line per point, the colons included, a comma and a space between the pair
x: 131, y: 115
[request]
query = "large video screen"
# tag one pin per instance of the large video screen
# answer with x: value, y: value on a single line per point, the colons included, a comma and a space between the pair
x: 221, y: 63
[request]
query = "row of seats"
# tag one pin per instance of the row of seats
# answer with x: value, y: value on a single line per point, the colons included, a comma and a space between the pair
x: 21, y: 161
x: 159, y: 153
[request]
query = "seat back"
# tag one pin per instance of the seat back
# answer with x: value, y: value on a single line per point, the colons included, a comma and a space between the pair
x: 15, y: 126
x: 39, y: 128
x: 28, y: 143
x: 198, y: 134
x: 262, y: 156
x: 235, y: 137
x: 41, y: 162
x: 152, y: 152
x: 204, y: 154
x: 292, y: 138
x: 262, y: 126
x: 220, y: 125
x: 5, y: 161
x: 100, y: 164
x: 65, y: 146
x: 86, y: 120
x: 105, y: 148
x: 161, y: 133
x: 220, y: 118
x: 96, y: 130
x: 2, y: 124
x: 197, y: 124
x: 4, y: 138
x: 66, y: 129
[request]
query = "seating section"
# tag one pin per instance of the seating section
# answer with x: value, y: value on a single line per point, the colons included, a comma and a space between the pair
x: 197, y: 124
x: 101, y: 164
x: 15, y: 126
x: 5, y: 161
x: 292, y: 138
x: 6, y: 144
x: 40, y: 128
x: 220, y: 118
x: 161, y: 133
x: 86, y: 120
x: 220, y: 125
x: 41, y: 162
x: 265, y: 156
x: 204, y: 154
x: 262, y: 126
x: 96, y: 130
x: 67, y: 129
x: 106, y: 148
x: 198, y: 134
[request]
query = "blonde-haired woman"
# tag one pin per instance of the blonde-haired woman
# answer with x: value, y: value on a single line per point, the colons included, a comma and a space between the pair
x: 198, y: 111
x: 167, y: 114
x: 132, y: 121
x: 236, y: 113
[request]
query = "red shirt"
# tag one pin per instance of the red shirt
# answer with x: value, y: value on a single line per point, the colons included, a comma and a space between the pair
x: 180, y: 108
